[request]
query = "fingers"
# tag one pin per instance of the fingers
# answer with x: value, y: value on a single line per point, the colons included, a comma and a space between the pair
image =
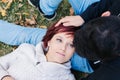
x: 58, y: 23
x: 63, y: 20
x: 67, y: 24
x: 106, y: 13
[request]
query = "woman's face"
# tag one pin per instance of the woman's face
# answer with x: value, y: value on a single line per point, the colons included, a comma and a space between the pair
x: 61, y: 48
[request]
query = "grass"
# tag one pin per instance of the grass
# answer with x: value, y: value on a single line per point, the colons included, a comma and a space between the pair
x: 21, y: 13
x: 5, y: 49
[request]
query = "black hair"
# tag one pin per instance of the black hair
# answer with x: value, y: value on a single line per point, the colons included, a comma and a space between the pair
x: 99, y: 39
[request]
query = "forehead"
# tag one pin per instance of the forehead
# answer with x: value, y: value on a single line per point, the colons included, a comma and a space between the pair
x: 64, y: 35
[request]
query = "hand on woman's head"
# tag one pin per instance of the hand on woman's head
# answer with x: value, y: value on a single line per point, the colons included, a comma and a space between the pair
x: 75, y: 21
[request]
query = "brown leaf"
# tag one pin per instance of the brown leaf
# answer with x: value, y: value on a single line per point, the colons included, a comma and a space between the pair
x: 30, y: 21
x: 20, y: 0
x: 24, y: 13
x: 8, y: 5
x: 43, y: 27
x: 2, y: 11
x: 4, y: 1
x: 20, y: 5
x: 19, y: 15
x: 71, y: 11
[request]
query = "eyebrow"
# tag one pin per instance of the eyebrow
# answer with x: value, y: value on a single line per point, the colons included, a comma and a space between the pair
x: 59, y: 36
x: 62, y: 38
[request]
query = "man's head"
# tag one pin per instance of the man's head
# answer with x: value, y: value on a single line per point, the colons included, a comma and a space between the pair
x: 99, y: 38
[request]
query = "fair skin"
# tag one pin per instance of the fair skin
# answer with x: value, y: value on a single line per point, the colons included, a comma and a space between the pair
x: 61, y: 48
x: 71, y: 21
x: 67, y: 21
x: 76, y: 20
x: 106, y: 13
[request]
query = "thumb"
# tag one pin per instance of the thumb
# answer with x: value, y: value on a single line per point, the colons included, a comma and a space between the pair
x: 67, y: 24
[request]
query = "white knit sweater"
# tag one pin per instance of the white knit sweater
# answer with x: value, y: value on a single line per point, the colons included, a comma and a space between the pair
x: 29, y: 63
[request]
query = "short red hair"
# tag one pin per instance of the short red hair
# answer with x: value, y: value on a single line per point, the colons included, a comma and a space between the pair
x: 59, y: 29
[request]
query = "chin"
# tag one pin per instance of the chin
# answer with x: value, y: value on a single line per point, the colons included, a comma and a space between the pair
x: 59, y: 62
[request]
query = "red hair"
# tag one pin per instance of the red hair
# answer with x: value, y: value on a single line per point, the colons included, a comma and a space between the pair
x: 59, y: 29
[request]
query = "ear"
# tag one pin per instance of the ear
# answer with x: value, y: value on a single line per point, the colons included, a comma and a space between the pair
x: 106, y: 13
x: 49, y: 42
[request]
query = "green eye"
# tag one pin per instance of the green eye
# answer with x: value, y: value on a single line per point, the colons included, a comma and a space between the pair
x: 59, y: 40
x: 71, y: 45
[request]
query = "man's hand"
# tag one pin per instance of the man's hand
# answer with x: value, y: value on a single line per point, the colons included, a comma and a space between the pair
x: 71, y: 21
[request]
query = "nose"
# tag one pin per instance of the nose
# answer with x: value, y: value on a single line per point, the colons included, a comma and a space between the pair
x: 63, y: 47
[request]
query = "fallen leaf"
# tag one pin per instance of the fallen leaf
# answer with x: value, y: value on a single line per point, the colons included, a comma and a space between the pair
x: 24, y: 13
x: 4, y: 1
x: 20, y: 5
x: 43, y: 27
x: 3, y: 12
x: 30, y: 21
x: 20, y: 16
x: 71, y: 11
x: 20, y: 0
x: 8, y: 5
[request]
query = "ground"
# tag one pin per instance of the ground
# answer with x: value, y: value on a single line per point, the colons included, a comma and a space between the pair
x: 21, y: 13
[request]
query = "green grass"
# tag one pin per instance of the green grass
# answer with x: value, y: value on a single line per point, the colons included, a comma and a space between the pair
x: 5, y: 49
x: 20, y: 10
x: 18, y: 14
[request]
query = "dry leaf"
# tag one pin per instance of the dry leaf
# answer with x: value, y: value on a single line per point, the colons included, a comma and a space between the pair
x: 43, y: 27
x: 20, y: 5
x: 24, y: 13
x: 71, y: 11
x: 3, y: 12
x: 20, y: 0
x: 30, y: 21
x: 4, y: 1
x: 20, y: 16
x: 8, y: 5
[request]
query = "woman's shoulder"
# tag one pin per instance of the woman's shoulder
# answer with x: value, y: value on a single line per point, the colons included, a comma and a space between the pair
x: 26, y: 48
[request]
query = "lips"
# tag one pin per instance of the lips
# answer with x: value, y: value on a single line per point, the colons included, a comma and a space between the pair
x: 61, y: 54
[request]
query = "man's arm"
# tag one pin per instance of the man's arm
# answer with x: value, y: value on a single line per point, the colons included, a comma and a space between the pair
x: 93, y: 11
x: 99, y: 8
x: 15, y: 35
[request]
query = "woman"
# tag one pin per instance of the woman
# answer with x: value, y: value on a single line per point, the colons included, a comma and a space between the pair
x: 49, y: 60
x: 16, y: 35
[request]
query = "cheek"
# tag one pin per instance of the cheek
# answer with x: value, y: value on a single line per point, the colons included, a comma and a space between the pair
x: 69, y: 56
x: 70, y: 52
x: 53, y: 47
